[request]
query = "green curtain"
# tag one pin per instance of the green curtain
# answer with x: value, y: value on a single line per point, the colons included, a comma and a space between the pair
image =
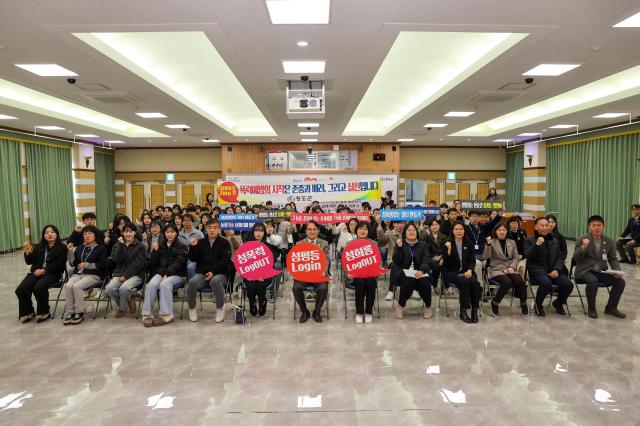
x: 12, y: 224
x: 50, y: 181
x: 515, y: 178
x: 595, y: 177
x: 105, y: 189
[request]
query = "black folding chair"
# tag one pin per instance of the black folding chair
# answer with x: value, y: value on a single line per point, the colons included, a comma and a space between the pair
x: 60, y: 286
x: 582, y: 282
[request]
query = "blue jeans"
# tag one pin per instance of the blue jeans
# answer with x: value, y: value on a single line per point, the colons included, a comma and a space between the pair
x: 165, y: 287
x: 545, y: 287
x: 120, y: 293
x: 191, y: 269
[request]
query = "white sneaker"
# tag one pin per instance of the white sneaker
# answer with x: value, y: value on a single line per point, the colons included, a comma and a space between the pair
x: 368, y: 318
x: 359, y: 319
x: 193, y: 315
x: 389, y: 296
x: 220, y: 315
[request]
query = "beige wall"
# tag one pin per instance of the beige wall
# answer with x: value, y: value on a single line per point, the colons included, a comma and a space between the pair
x: 452, y: 159
x: 168, y: 160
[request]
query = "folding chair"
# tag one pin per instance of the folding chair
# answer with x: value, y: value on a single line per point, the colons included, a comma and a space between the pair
x: 310, y: 288
x: 490, y: 285
x: 348, y: 285
x: 228, y: 289
x: 60, y: 286
x: 579, y: 281
x: 100, y: 286
x: 443, y: 294
x: 272, y: 288
x: 554, y: 291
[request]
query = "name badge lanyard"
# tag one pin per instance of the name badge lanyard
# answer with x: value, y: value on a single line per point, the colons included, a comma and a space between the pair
x: 412, y: 257
x: 46, y: 255
x: 476, y: 238
x: 84, y: 257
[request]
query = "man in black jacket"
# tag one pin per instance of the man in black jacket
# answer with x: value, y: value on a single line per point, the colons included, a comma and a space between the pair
x: 545, y: 264
x: 212, y: 255
x: 630, y: 237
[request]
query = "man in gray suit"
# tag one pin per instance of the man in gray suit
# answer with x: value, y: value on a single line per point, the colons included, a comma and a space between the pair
x: 322, y: 288
x: 593, y: 252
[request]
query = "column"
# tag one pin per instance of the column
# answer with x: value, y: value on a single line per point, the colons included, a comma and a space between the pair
x: 120, y: 195
x: 84, y: 180
x: 501, y: 187
x: 535, y: 178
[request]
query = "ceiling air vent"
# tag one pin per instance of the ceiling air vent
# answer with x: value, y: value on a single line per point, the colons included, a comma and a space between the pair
x: 92, y: 87
x: 495, y: 96
x: 111, y: 97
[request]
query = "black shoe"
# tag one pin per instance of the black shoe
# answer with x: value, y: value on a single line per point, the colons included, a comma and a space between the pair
x: 263, y: 307
x: 253, y: 308
x: 592, y: 313
x: 614, y: 312
x: 77, y: 318
x: 540, y: 310
x: 559, y: 307
x: 304, y: 316
x: 44, y: 317
x: 67, y: 319
x: 624, y: 261
x: 495, y: 309
x: 464, y: 317
x: 474, y: 315
x: 317, y: 317
x: 525, y: 309
x: 27, y: 318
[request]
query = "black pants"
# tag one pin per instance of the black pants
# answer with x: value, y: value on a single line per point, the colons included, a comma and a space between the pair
x: 469, y: 289
x: 435, y: 272
x: 365, y: 291
x: 256, y: 288
x: 593, y: 278
x: 322, y: 289
x: 409, y: 284
x: 394, y: 276
x: 39, y: 287
x: 544, y: 281
x: 507, y: 282
x: 627, y: 253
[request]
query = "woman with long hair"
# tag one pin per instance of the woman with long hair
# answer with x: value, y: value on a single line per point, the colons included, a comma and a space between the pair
x: 259, y: 287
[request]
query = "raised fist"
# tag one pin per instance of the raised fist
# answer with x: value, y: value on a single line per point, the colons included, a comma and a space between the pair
x: 540, y: 241
x: 585, y: 243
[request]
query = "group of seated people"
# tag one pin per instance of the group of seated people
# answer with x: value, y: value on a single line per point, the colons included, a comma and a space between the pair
x: 177, y: 247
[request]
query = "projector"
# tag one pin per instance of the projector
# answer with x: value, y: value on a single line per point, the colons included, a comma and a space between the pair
x: 305, y: 99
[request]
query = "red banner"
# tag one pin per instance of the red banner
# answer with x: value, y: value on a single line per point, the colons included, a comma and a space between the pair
x: 361, y: 259
x: 327, y: 218
x: 306, y: 262
x: 254, y: 261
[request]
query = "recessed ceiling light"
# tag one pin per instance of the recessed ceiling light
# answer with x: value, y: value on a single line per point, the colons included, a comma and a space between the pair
x: 631, y: 22
x: 47, y: 70
x: 151, y: 115
x: 611, y: 115
x: 308, y: 124
x: 114, y: 142
x: 621, y: 85
x: 87, y: 136
x: 502, y: 140
x: 302, y: 43
x: 563, y: 126
x: 296, y: 67
x: 50, y: 128
x: 210, y: 140
x: 308, y: 140
x: 299, y: 11
x: 7, y: 117
x: 200, y: 80
x: 551, y: 69
x: 459, y: 114
x: 529, y: 134
x: 409, y: 79
x: 435, y: 125
x: 405, y: 140
x: 309, y: 133
x: 177, y: 126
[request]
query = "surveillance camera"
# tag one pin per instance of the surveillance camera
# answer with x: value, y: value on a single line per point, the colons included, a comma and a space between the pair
x: 429, y: 128
x: 184, y: 129
x: 304, y: 77
x: 308, y: 128
x: 309, y: 149
x: 71, y: 80
x: 528, y: 80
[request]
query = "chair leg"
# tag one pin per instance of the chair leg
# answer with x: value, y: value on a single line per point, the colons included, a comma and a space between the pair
x: 95, y: 314
x: 200, y: 293
x: 577, y: 286
x: 106, y: 311
x: 344, y: 297
x: 274, y: 295
x: 378, y: 301
x: 57, y: 300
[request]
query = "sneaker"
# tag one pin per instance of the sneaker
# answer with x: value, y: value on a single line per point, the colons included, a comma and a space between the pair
x: 77, y: 318
x: 495, y: 310
x: 26, y: 318
x: 399, y: 312
x: 220, y: 315
x: 525, y: 309
x: 389, y: 296
x: 43, y: 317
x: 193, y: 315
x: 592, y: 313
x: 368, y: 318
x: 614, y: 312
x: 428, y: 313
x: 359, y: 319
x: 67, y: 319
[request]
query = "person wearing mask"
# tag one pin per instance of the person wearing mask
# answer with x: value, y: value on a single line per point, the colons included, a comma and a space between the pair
x: 347, y: 233
x: 167, y: 268
x: 545, y: 263
x: 259, y: 287
x: 322, y: 288
x: 562, y: 241
x: 434, y: 240
x: 493, y: 195
x: 517, y: 234
x: 187, y: 233
x: 458, y: 268
x: 389, y: 239
x: 47, y: 260
x: 630, y: 237
x: 89, y: 262
x: 593, y: 255
x: 365, y: 288
x: 412, y: 259
x: 76, y: 239
x: 212, y: 255
x: 128, y: 258
x: 502, y: 259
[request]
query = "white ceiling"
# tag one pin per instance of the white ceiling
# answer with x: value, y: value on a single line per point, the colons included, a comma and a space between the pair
x: 354, y: 45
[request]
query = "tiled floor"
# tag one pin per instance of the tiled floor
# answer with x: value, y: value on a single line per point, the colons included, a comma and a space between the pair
x: 507, y: 370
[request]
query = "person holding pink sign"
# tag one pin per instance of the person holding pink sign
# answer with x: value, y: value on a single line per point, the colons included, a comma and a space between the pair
x: 258, y: 287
